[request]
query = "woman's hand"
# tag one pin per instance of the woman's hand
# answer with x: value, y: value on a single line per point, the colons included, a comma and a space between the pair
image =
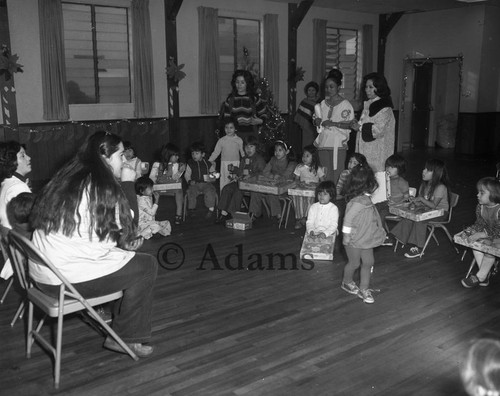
x: 328, y: 124
x: 256, y: 121
x: 355, y: 125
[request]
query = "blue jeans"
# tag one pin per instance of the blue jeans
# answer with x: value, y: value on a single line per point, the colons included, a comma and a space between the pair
x: 132, y: 314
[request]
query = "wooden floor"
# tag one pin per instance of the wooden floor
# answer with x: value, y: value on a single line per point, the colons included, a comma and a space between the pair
x: 219, y: 331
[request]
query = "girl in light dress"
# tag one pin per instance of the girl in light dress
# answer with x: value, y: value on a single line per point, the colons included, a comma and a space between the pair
x: 308, y: 173
x: 147, y: 200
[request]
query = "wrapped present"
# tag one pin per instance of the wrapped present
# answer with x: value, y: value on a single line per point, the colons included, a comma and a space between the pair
x: 485, y: 246
x: 316, y: 248
x: 240, y: 221
x: 167, y: 186
x: 415, y: 213
x: 265, y: 185
x: 303, y: 190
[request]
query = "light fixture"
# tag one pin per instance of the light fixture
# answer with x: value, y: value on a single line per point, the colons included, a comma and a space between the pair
x: 471, y: 1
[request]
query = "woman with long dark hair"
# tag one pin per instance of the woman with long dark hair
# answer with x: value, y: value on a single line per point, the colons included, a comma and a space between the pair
x: 83, y: 223
x: 243, y: 105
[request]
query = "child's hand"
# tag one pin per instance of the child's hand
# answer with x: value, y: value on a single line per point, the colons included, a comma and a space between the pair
x: 134, y: 244
x: 322, y: 235
x: 475, y: 237
x: 156, y: 197
x: 127, y: 174
x: 317, y: 122
x: 312, y: 234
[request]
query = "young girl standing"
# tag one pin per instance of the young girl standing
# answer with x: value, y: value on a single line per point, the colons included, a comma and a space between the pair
x: 147, y: 201
x: 362, y: 230
x: 279, y: 168
x: 170, y: 170
x: 354, y: 159
x: 229, y: 147
x: 323, y: 216
x: 308, y: 172
x: 487, y: 227
x: 432, y: 194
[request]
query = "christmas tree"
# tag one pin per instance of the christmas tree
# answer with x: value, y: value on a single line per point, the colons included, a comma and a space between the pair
x: 273, y: 127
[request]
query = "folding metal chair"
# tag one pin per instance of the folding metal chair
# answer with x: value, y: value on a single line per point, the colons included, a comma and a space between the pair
x: 69, y: 300
x: 6, y: 255
x: 432, y: 225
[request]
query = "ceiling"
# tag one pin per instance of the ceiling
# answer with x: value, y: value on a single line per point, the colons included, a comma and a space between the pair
x: 391, y: 6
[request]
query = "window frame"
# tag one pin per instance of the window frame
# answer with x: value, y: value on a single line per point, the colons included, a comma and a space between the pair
x: 359, y: 58
x: 225, y: 90
x: 109, y: 110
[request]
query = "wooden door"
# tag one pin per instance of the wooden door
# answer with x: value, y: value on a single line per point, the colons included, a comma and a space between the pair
x: 422, y: 86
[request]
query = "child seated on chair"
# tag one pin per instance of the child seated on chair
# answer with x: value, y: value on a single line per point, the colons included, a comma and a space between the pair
x: 18, y: 213
x: 308, y: 173
x: 131, y: 159
x: 486, y: 229
x: 197, y: 175
x: 147, y: 200
x: 395, y: 168
x: 170, y: 170
x: 432, y: 194
x: 279, y: 169
x: 252, y: 164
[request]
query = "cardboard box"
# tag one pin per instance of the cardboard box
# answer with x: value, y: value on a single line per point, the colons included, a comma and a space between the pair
x: 317, y: 248
x: 265, y: 186
x: 420, y: 213
x: 302, y: 191
x: 167, y: 186
x: 493, y: 249
x: 240, y: 221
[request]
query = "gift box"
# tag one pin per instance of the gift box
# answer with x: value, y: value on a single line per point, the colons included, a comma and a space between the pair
x: 167, y: 186
x: 240, y: 221
x: 493, y: 248
x: 302, y: 191
x: 265, y: 186
x: 315, y: 248
x: 419, y: 213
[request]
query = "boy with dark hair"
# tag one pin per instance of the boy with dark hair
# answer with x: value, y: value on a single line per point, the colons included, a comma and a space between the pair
x: 197, y: 176
x: 18, y: 213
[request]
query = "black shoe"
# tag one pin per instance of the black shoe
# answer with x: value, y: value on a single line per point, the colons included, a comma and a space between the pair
x: 387, y: 242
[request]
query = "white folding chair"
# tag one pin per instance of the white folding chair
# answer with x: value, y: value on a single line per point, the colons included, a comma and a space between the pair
x: 69, y: 300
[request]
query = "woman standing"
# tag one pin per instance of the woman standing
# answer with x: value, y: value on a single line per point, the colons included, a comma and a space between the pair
x: 376, y: 127
x: 333, y: 117
x: 83, y: 223
x: 304, y: 114
x: 243, y: 105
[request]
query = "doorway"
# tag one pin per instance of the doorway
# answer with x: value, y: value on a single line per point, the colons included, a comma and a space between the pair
x: 430, y: 101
